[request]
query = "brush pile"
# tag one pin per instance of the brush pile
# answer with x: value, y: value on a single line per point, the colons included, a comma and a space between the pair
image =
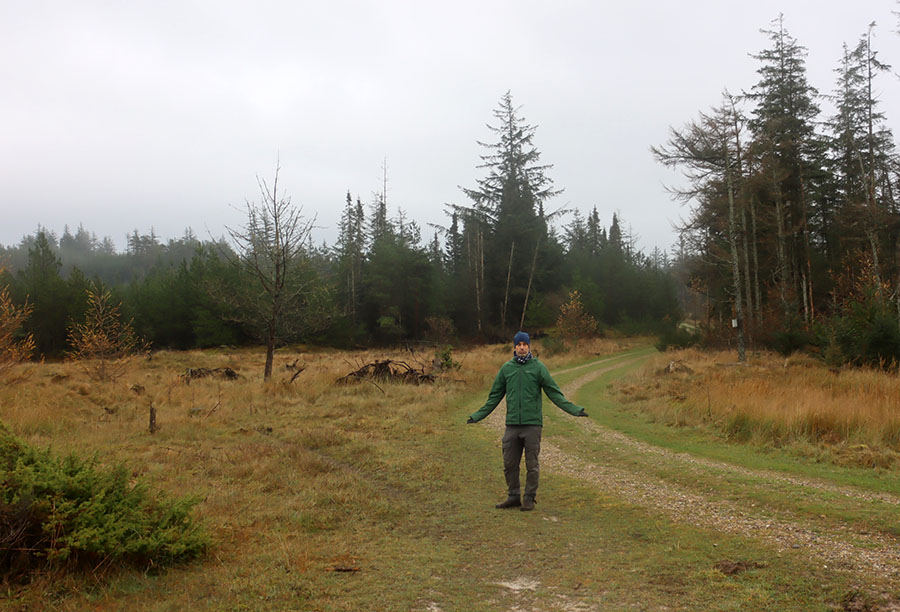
x: 675, y: 367
x: 225, y: 373
x: 388, y: 371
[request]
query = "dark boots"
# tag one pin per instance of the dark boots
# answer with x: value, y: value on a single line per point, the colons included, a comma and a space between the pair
x: 511, y: 502
x: 514, y: 501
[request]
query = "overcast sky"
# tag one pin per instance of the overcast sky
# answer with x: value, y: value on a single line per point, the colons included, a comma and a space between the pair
x: 138, y: 115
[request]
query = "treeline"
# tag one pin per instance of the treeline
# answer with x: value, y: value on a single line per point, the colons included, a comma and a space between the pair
x: 498, y: 264
x: 794, y: 229
x: 161, y: 286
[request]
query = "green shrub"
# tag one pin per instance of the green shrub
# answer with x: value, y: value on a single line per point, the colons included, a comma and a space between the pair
x: 792, y: 337
x: 55, y: 510
x: 443, y: 359
x: 673, y: 336
x: 832, y: 355
x: 554, y: 345
x: 867, y: 333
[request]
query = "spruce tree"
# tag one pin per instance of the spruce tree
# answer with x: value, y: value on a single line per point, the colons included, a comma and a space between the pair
x: 862, y: 150
x: 791, y: 154
x: 48, y: 294
x: 510, y: 231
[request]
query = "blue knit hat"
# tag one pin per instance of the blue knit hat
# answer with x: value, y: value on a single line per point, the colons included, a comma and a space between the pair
x: 521, y: 337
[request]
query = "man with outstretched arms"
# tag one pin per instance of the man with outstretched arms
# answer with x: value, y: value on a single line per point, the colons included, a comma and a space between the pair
x: 521, y: 380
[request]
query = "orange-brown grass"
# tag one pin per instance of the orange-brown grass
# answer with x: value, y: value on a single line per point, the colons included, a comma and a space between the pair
x: 294, y: 478
x: 851, y: 415
x: 283, y: 470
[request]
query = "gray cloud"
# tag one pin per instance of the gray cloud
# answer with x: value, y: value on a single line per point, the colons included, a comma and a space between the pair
x: 162, y: 114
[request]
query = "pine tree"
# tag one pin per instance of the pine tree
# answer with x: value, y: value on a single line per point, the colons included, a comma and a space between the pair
x: 350, y: 253
x: 42, y: 282
x: 791, y: 154
x: 862, y: 150
x: 102, y: 344
x: 507, y: 220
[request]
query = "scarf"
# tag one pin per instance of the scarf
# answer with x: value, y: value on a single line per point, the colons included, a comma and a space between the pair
x: 523, y: 360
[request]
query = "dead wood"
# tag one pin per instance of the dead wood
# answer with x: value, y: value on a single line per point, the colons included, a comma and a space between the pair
x: 676, y: 366
x: 388, y: 371
x: 297, y: 368
x: 225, y: 373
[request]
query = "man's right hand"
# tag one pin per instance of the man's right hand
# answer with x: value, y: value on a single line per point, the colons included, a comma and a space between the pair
x: 471, y: 420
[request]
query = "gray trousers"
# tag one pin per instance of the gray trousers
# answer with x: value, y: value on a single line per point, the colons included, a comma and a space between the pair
x: 518, y: 438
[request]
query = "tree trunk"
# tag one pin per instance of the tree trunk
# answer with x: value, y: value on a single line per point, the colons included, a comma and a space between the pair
x: 353, y: 268
x: 876, y: 268
x: 803, y: 288
x: 735, y: 259
x: 748, y: 282
x: 897, y: 287
x: 736, y: 184
x: 780, y: 250
x: 530, y: 277
x: 270, y: 354
x: 473, y: 265
x: 755, y: 241
x: 808, y: 305
x: 512, y: 248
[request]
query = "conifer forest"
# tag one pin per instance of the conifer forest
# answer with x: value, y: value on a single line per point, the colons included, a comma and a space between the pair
x: 790, y: 239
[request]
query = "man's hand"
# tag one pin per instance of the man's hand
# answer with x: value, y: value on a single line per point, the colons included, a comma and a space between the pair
x: 471, y: 420
x: 582, y: 413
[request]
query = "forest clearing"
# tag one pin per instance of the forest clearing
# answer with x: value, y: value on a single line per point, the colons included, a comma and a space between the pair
x: 280, y: 411
x: 696, y: 483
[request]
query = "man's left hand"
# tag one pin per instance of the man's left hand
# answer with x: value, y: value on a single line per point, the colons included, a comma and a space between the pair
x: 582, y: 413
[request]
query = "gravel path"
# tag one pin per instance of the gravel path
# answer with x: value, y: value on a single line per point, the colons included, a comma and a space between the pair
x: 835, y: 546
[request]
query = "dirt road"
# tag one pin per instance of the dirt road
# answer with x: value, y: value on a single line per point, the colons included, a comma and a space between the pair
x: 718, y: 495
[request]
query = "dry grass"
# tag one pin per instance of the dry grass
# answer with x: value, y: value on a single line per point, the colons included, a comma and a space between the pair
x: 62, y: 406
x: 851, y: 415
x: 283, y: 470
x: 349, y: 497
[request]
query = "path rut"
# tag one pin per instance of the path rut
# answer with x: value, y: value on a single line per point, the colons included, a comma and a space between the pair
x: 834, y: 545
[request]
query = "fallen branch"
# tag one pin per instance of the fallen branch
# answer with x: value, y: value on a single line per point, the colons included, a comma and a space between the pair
x: 296, y: 374
x: 388, y: 371
x: 225, y: 373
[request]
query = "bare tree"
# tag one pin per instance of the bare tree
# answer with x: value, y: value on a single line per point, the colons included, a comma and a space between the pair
x: 272, y: 249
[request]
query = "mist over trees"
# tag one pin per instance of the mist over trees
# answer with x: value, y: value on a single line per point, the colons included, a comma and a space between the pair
x: 793, y: 225
x: 501, y: 262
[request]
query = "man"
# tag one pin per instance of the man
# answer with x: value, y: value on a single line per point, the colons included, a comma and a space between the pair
x: 521, y: 380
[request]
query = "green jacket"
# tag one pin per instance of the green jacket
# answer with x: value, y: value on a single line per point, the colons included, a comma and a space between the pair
x: 522, y: 384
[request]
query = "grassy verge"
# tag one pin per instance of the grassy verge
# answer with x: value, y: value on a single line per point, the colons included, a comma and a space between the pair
x: 644, y: 418
x: 845, y: 417
x: 825, y: 507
